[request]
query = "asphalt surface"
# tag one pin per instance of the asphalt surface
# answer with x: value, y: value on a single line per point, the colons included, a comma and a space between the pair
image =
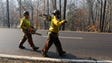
x: 78, y: 45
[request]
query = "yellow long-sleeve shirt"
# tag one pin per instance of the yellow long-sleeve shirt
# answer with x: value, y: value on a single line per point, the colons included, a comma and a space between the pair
x: 55, y: 24
x: 25, y: 23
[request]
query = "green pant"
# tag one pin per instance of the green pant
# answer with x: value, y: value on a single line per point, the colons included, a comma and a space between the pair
x: 27, y: 35
x: 53, y: 38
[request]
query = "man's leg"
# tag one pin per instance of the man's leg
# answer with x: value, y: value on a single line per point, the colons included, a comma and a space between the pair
x: 59, y: 46
x: 46, y: 47
x: 22, y: 42
x: 48, y: 44
x: 30, y: 41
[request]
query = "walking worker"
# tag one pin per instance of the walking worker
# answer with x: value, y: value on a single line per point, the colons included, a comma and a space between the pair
x: 27, y: 29
x: 53, y: 35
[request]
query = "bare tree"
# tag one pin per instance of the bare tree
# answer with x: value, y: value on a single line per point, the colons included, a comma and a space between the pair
x: 54, y: 4
x: 64, y: 13
x: 8, y: 17
x: 2, y: 13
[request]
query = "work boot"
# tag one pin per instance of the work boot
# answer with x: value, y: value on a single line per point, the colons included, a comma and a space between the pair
x: 62, y: 53
x: 35, y: 48
x: 44, y: 54
x: 21, y: 47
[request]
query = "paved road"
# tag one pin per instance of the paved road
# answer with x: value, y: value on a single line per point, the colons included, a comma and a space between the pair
x: 78, y: 45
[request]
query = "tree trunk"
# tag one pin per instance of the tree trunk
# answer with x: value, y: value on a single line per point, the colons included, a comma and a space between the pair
x: 8, y: 17
x: 60, y: 8
x: 103, y: 18
x: 64, y: 14
x: 20, y: 8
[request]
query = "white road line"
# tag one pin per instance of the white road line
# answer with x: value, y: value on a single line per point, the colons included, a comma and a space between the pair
x: 68, y: 37
x: 71, y: 37
x: 52, y: 59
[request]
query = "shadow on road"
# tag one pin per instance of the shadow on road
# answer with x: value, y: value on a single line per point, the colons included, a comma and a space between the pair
x: 66, y: 56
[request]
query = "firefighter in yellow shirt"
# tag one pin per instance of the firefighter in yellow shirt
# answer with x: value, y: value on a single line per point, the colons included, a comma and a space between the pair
x: 27, y: 28
x: 53, y: 34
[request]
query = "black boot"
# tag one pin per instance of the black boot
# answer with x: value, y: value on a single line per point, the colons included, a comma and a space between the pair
x: 62, y: 53
x: 35, y: 48
x: 44, y: 53
x: 21, y: 47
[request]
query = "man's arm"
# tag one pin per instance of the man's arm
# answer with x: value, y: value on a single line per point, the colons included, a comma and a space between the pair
x: 59, y: 23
